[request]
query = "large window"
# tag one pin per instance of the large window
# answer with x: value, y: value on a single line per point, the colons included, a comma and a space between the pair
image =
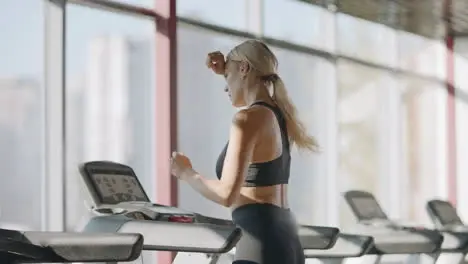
x: 143, y: 3
x: 424, y: 155
x: 204, y: 110
x: 110, y: 101
x: 226, y: 13
x: 205, y: 115
x: 421, y: 55
x: 364, y: 118
x: 311, y: 83
x: 21, y: 114
x: 365, y: 40
x: 307, y: 24
x: 461, y: 114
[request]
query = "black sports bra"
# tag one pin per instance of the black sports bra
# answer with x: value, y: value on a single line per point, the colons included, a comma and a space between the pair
x: 266, y: 173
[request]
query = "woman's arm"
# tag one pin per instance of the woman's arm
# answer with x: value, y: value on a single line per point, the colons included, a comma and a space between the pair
x: 238, y: 156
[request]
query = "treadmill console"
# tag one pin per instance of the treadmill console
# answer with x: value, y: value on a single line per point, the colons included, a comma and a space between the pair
x: 443, y: 213
x: 115, y: 188
x: 112, y: 183
x: 365, y: 207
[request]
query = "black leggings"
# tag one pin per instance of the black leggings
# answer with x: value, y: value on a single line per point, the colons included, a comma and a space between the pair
x: 269, y: 235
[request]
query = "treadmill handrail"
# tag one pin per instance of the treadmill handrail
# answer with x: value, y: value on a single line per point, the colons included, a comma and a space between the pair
x: 324, y: 231
x: 57, y: 247
x: 329, y: 236
x: 22, y: 251
x: 346, y: 246
x: 197, y: 237
x: 99, y: 247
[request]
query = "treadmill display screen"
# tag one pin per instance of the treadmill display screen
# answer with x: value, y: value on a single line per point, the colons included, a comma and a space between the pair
x: 368, y: 208
x: 116, y: 188
x: 447, y: 214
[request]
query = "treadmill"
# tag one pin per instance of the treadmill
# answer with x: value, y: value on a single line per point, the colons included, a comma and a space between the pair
x: 59, y: 247
x: 446, y: 219
x: 122, y: 206
x: 390, y: 238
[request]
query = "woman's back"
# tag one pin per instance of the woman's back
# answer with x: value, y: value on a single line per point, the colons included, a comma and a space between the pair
x: 268, y: 173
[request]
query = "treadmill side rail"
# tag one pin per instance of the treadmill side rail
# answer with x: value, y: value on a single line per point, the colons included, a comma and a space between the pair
x: 405, y: 241
x: 318, y: 237
x: 454, y: 241
x: 347, y: 246
x: 197, y: 237
x: 85, y: 247
x: 12, y: 251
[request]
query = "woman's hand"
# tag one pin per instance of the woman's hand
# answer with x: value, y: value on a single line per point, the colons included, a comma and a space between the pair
x: 181, y: 167
x: 215, y: 61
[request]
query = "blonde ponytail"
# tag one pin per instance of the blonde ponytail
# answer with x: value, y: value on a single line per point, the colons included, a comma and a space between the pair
x: 262, y: 59
x: 296, y: 129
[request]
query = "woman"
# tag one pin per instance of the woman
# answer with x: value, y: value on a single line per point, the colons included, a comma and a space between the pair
x: 253, y: 168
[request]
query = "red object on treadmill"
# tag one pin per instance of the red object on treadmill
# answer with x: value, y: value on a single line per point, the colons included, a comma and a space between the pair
x: 180, y: 219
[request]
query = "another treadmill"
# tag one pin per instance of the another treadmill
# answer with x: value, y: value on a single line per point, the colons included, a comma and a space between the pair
x: 122, y: 206
x: 446, y: 219
x: 390, y: 238
x: 58, y: 247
